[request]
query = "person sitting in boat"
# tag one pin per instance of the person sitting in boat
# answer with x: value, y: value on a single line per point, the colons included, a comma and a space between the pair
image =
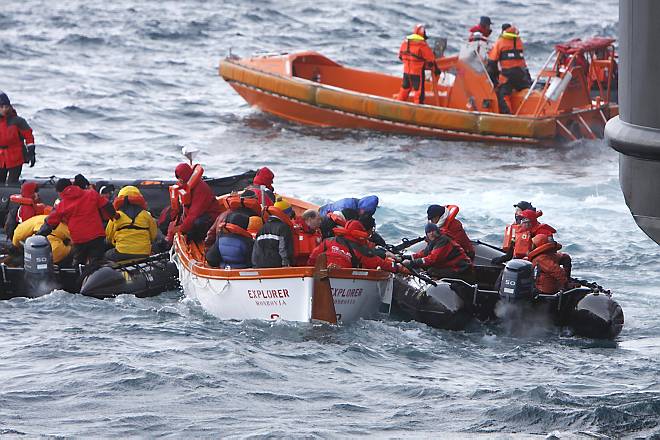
x: 262, y: 185
x: 80, y: 210
x: 245, y: 203
x: 550, y: 276
x: 508, y: 52
x: 273, y: 246
x: 200, y: 207
x: 375, y: 241
x: 59, y: 238
x: 306, y: 236
x: 134, y: 231
x: 23, y: 206
x: 349, y: 248
x: 518, y: 236
x: 481, y: 31
x: 445, y: 218
x: 233, y: 247
x: 417, y: 56
x: 442, y: 257
x: 17, y: 140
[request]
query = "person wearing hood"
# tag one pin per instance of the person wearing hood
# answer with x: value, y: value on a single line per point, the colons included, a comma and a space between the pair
x: 349, y: 248
x: 417, y: 56
x: 547, y: 263
x: 134, y: 231
x: 442, y: 257
x: 59, y: 238
x: 445, y: 218
x: 16, y: 142
x: 481, y: 31
x: 202, y: 208
x: 23, y: 207
x: 273, y: 245
x: 262, y: 185
x: 513, y: 73
x: 80, y: 209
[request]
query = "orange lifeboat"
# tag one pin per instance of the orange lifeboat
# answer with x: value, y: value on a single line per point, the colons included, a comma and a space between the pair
x: 309, y: 88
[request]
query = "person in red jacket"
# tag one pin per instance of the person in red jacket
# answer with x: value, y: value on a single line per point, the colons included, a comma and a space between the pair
x: 201, y: 208
x: 349, y: 248
x: 262, y: 185
x: 518, y: 236
x: 442, y: 257
x: 482, y: 31
x: 445, y: 218
x: 550, y: 276
x: 16, y: 142
x: 80, y: 209
x: 417, y: 56
x: 28, y: 206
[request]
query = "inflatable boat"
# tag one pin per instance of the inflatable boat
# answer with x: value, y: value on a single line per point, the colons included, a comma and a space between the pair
x: 571, y: 97
x: 39, y: 276
x: 301, y: 294
x: 588, y: 310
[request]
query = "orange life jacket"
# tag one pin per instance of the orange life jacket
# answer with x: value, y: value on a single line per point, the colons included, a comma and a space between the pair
x: 509, y: 53
x: 277, y: 212
x: 39, y: 208
x: 304, y: 243
x: 235, y: 202
x: 181, y: 195
x: 132, y: 199
x: 451, y: 215
x: 339, y: 220
x: 235, y: 229
x: 509, y: 237
x: 523, y: 244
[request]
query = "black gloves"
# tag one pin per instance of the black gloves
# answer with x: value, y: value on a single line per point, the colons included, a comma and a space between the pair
x: 45, y: 230
x: 499, y: 260
x: 31, y: 157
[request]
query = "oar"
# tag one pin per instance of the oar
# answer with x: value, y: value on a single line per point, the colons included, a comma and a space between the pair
x: 323, y: 304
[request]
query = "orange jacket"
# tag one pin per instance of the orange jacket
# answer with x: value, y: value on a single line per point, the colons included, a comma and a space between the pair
x: 551, y: 276
x: 416, y: 55
x: 508, y: 51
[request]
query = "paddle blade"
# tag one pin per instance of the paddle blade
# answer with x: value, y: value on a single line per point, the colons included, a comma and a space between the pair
x: 323, y: 305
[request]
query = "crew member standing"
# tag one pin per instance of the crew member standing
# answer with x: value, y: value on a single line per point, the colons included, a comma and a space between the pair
x: 417, y: 56
x: 16, y: 142
x: 508, y: 52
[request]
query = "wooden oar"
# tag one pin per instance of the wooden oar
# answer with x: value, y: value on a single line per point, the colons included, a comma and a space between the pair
x: 323, y: 304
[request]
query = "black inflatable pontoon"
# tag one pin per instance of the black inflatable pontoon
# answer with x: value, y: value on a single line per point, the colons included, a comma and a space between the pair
x: 588, y: 310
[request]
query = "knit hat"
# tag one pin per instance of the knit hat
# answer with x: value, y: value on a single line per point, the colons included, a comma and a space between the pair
x: 4, y: 99
x: 61, y: 184
x: 183, y: 171
x: 264, y: 177
x: 284, y: 206
x: 435, y: 211
x: 430, y: 227
x: 484, y: 21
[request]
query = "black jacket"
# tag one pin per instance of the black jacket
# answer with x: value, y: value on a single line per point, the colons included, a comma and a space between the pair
x: 273, y: 246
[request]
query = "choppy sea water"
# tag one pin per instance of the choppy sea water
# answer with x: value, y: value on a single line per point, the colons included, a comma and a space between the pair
x: 112, y: 88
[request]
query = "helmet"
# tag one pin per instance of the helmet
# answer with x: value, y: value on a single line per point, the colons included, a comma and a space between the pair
x: 420, y: 30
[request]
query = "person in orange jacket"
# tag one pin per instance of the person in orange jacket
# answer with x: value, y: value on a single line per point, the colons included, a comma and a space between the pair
x: 417, y: 56
x: 508, y: 52
x: 446, y: 220
x: 550, y: 276
x: 306, y: 236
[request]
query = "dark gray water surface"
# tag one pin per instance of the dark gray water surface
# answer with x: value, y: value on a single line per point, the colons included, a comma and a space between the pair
x: 111, y: 89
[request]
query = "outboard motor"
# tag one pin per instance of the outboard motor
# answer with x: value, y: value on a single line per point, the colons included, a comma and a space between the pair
x: 38, y: 275
x: 517, y: 281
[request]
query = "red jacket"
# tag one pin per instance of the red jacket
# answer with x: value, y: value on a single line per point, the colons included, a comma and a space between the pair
x: 202, y: 200
x: 456, y: 232
x: 443, y: 253
x: 27, y: 211
x: 551, y: 276
x: 485, y: 33
x: 14, y: 134
x: 79, y: 209
x: 416, y: 55
x: 349, y: 249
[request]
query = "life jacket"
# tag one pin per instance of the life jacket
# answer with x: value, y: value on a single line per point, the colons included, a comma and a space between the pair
x: 136, y: 200
x: 231, y: 228
x: 181, y: 194
x: 265, y: 195
x: 451, y: 213
x: 523, y: 243
x: 456, y: 259
x: 541, y: 249
x: 235, y: 202
x: 235, y: 246
x: 509, y: 237
x: 510, y: 51
x: 359, y: 237
x: 271, y: 210
x: 304, y: 243
x: 39, y: 208
x: 339, y: 220
x: 415, y: 54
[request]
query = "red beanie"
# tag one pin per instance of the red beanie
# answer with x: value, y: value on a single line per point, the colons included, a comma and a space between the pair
x: 264, y: 177
x: 183, y: 171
